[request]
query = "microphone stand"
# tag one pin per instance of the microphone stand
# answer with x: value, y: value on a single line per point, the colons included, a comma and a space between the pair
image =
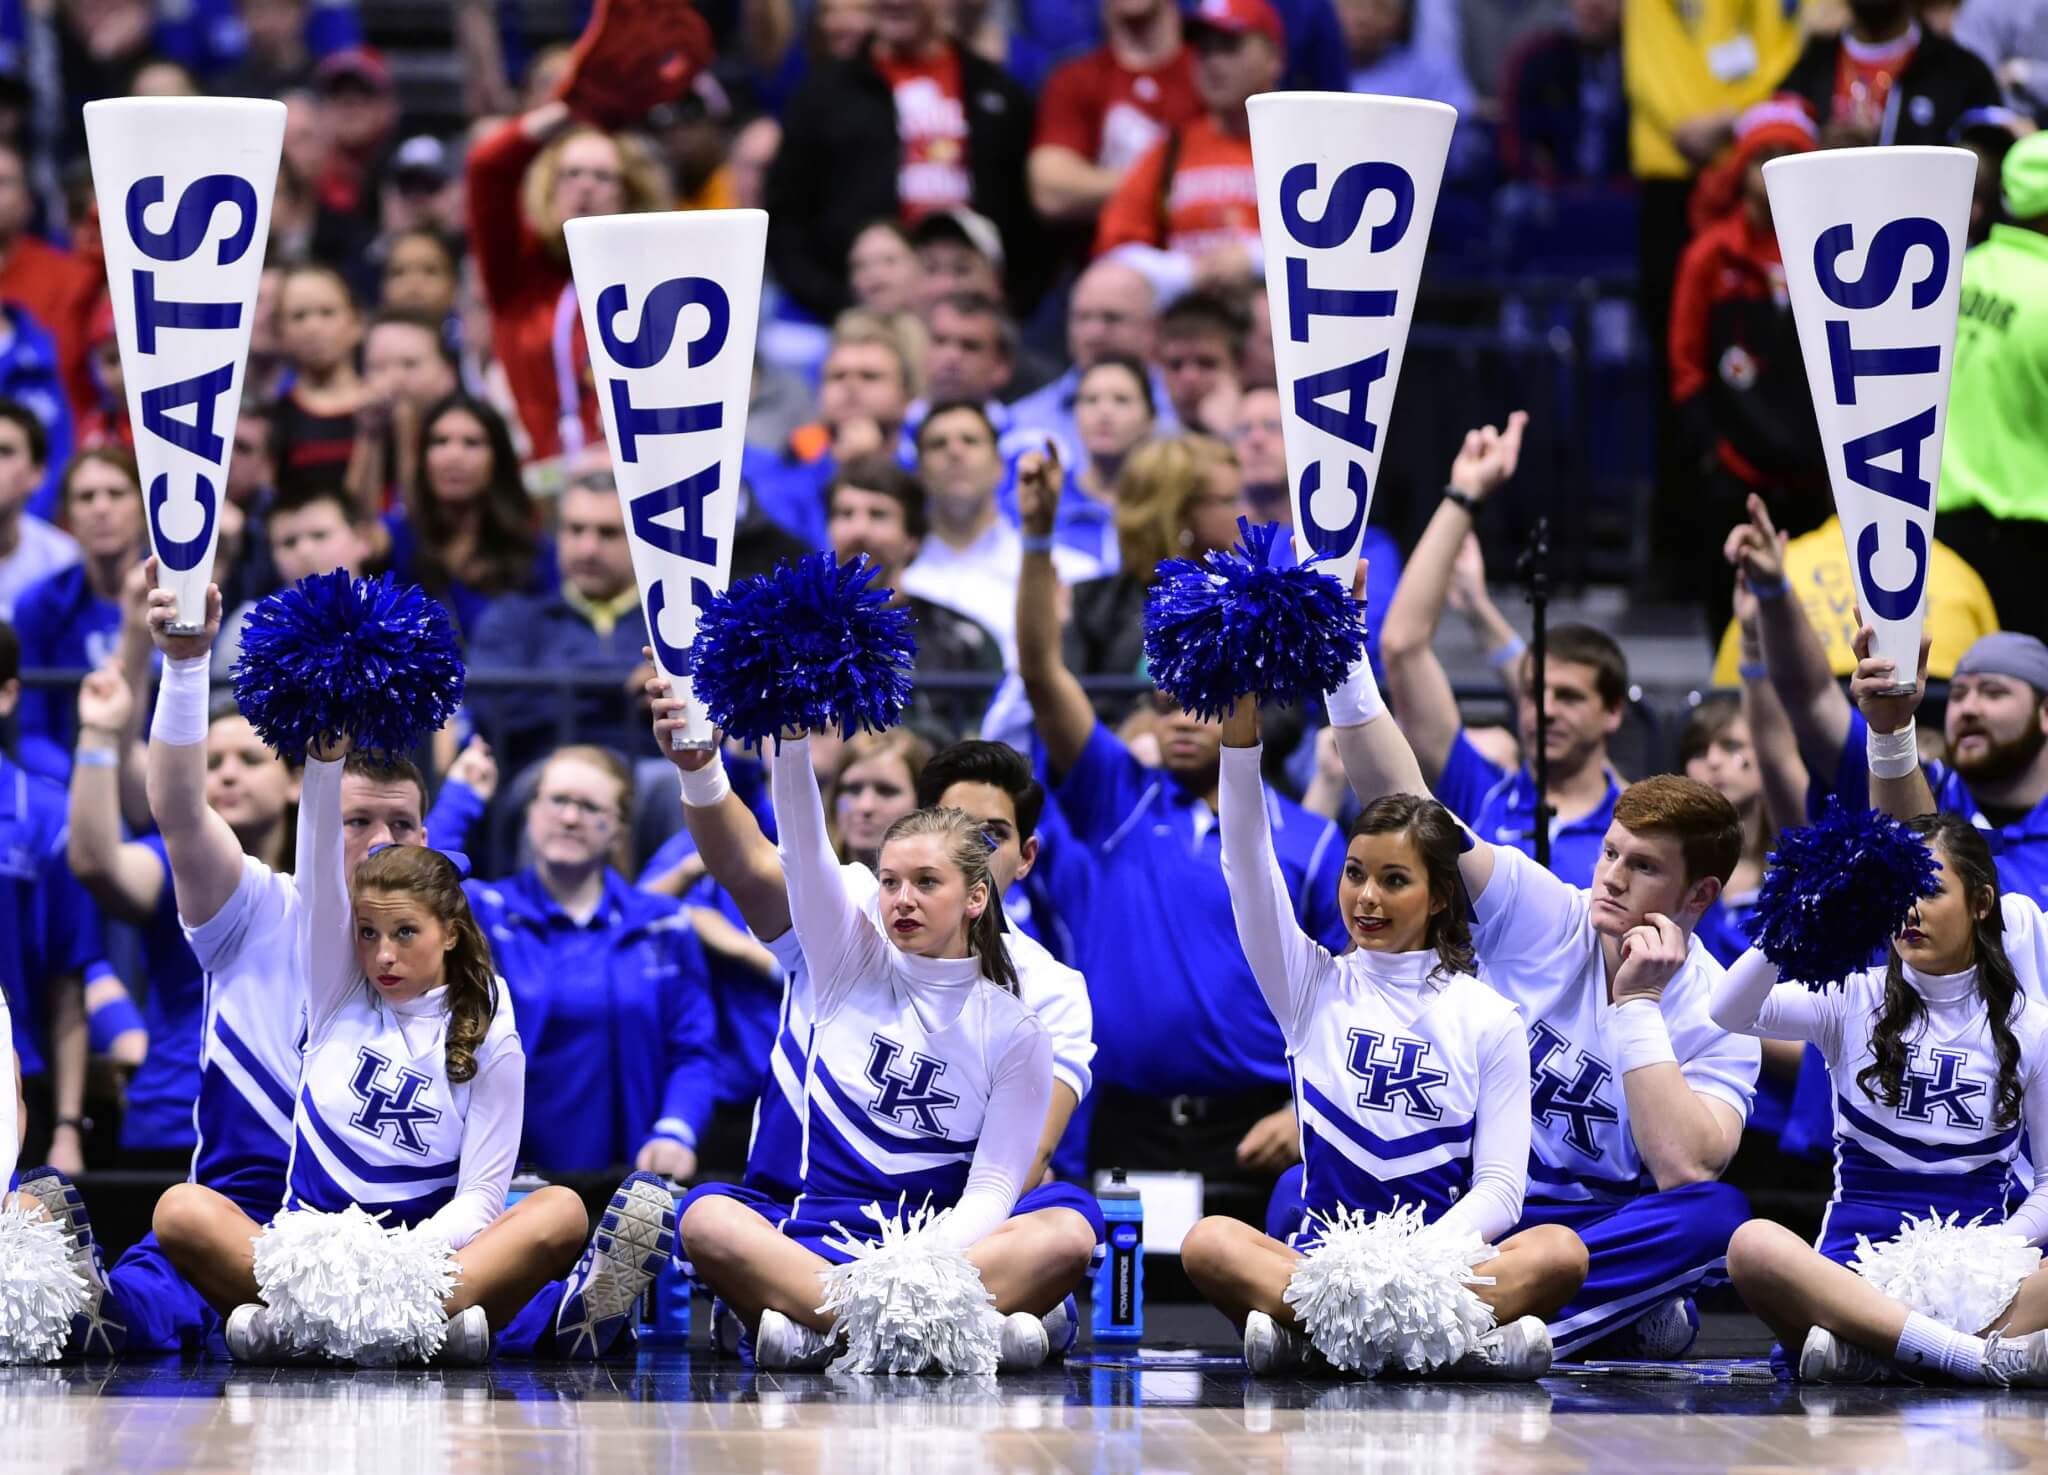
x: 1534, y: 565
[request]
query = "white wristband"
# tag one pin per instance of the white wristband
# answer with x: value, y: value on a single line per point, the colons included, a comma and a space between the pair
x: 1357, y: 701
x: 1639, y: 1036
x: 1892, y: 754
x: 182, y: 694
x: 707, y: 786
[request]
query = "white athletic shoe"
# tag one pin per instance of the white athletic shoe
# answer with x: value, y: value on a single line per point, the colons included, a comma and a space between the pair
x: 1516, y: 1353
x: 1062, y: 1328
x: 1827, y: 1358
x: 468, y: 1343
x: 253, y: 1336
x: 1271, y: 1349
x: 631, y: 1245
x: 1025, y: 1344
x: 1665, y: 1332
x: 92, y: 1333
x: 782, y: 1343
x: 2016, y: 1362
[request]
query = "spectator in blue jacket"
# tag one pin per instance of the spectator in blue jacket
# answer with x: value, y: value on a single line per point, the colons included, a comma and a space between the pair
x: 73, y: 618
x: 31, y: 374
x: 609, y: 984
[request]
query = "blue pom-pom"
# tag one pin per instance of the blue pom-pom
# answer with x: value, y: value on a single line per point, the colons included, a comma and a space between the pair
x: 1250, y: 622
x: 372, y: 658
x: 1838, y: 891
x: 810, y: 644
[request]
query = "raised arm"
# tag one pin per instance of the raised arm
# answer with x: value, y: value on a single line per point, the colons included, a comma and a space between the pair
x: 841, y: 946
x: 1415, y: 678
x: 1898, y: 784
x: 735, y: 852
x: 1286, y: 962
x: 1778, y: 764
x: 206, y: 859
x: 1008, y: 1147
x: 126, y: 880
x: 1063, y: 713
x: 1792, y: 653
x: 326, y: 917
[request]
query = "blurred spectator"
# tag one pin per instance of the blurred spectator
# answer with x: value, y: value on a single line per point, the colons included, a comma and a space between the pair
x: 29, y: 377
x: 1817, y: 573
x: 1989, y: 133
x: 985, y: 27
x: 106, y: 423
x: 1387, y: 56
x: 71, y: 619
x: 1738, y: 378
x: 161, y: 77
x: 1199, y: 347
x: 1104, y: 111
x: 469, y: 535
x: 1993, y: 506
x: 1177, y: 498
x: 1109, y: 311
x: 910, y: 124
x: 878, y: 509
x: 1114, y: 415
x: 275, y: 55
x: 2010, y: 37
x: 408, y: 368
x: 526, y: 179
x: 268, y: 370
x: 421, y: 274
x: 30, y: 549
x: 883, y: 269
x: 1187, y: 213
x: 872, y: 783
x: 56, y: 289
x: 864, y: 398
x: 359, y: 111
x: 611, y: 988
x: 690, y: 134
x: 421, y: 189
x: 1849, y: 80
x: 592, y: 623
x: 49, y: 935
x: 100, y: 43
x: 972, y: 352
x: 313, y: 431
x: 1566, y: 113
x: 958, y: 250
x: 311, y: 531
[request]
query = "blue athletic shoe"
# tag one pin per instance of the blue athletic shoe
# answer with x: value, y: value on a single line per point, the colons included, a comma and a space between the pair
x: 729, y: 1335
x: 1062, y: 1328
x: 632, y: 1242
x: 92, y: 1335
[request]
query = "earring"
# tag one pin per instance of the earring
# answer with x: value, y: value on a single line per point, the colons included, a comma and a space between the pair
x: 1187, y: 537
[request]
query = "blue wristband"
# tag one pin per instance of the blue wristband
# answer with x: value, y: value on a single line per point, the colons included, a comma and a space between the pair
x: 97, y: 758
x: 1777, y: 590
x: 1038, y: 542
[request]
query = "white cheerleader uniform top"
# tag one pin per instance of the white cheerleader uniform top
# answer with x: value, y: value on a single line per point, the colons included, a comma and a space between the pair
x: 924, y: 1080
x: 1941, y: 1148
x: 377, y: 1122
x: 1411, y: 1083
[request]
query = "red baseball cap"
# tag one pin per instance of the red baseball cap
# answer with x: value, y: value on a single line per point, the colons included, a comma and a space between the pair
x: 1238, y: 18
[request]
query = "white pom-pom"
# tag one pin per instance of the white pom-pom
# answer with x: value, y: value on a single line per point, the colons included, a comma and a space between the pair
x: 345, y: 1285
x: 1961, y: 1275
x: 39, y: 1291
x: 910, y: 1302
x: 1387, y: 1289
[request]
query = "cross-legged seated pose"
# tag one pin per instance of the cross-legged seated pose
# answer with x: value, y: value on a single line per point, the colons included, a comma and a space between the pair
x: 411, y: 1095
x: 1411, y: 1077
x: 1637, y: 1098
x: 926, y: 1081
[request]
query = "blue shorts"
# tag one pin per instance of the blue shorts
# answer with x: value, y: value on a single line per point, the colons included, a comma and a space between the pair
x: 811, y: 1222
x: 157, y: 1305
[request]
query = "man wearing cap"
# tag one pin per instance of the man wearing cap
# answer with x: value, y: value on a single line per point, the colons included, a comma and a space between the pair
x: 1188, y: 212
x: 1993, y: 506
x: 911, y: 124
x: 359, y: 111
x: 419, y: 189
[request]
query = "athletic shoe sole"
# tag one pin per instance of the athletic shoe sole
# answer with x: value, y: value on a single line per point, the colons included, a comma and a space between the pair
x: 92, y: 1335
x: 632, y: 1243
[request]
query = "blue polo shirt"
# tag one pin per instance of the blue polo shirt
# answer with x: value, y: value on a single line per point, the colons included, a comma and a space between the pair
x: 1501, y: 808
x: 2021, y: 848
x: 615, y: 1014
x: 161, y: 1096
x: 48, y: 925
x: 1177, y: 1011
x: 61, y: 624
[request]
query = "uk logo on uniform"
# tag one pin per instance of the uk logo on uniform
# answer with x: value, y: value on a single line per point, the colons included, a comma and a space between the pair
x: 1946, y: 1087
x: 396, y: 1106
x: 1398, y: 1076
x: 1576, y: 1097
x: 916, y: 1093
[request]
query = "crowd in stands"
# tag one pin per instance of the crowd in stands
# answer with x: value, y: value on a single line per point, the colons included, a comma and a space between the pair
x: 997, y: 232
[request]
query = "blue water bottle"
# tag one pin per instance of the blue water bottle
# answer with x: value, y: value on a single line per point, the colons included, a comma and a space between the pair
x: 1117, y: 1309
x: 665, y: 1308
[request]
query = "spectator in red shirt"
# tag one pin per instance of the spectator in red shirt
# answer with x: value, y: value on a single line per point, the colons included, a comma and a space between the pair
x: 526, y: 179
x: 1188, y: 213
x: 314, y: 429
x: 359, y: 112
x: 57, y: 289
x: 1103, y: 112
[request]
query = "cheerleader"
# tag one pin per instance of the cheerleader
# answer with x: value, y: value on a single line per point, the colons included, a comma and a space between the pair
x: 926, y: 1082
x: 411, y: 1096
x: 1411, y: 1077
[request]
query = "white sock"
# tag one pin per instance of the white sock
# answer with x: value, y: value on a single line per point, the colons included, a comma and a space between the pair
x: 1927, y: 1343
